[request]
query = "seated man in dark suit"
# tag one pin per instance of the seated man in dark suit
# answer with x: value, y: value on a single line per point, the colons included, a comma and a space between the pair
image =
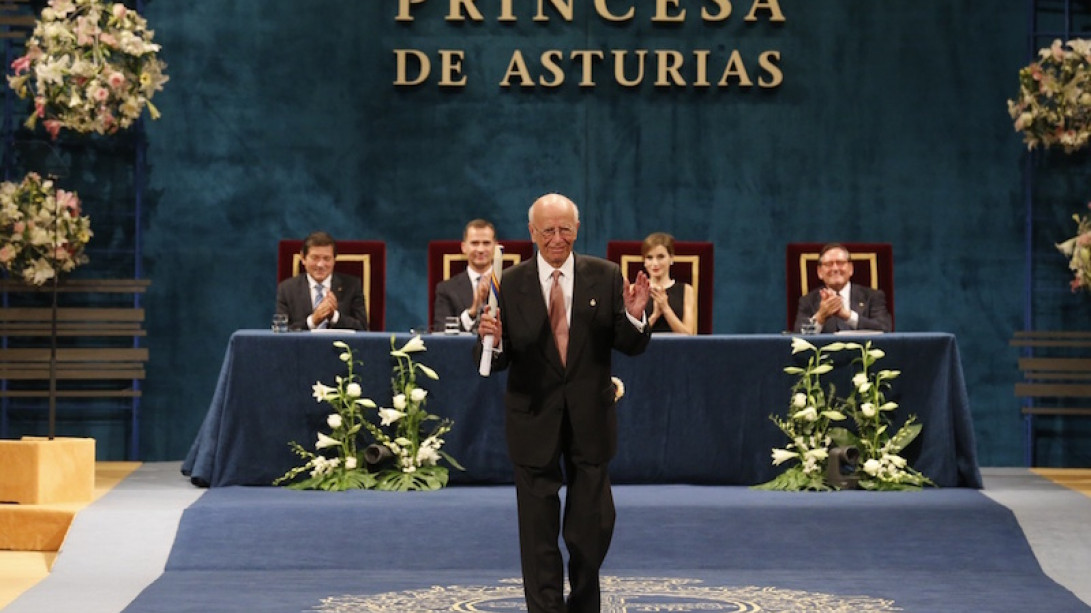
x: 462, y: 295
x: 321, y: 298
x: 841, y: 305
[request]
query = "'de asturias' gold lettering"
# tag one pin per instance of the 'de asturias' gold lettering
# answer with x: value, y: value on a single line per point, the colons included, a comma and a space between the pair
x: 673, y: 69
x: 450, y: 71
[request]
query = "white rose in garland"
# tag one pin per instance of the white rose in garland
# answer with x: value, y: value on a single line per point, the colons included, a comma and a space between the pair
x: 41, y: 230
x: 89, y: 66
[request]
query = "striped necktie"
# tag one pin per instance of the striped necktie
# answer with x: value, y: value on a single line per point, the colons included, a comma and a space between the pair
x: 319, y: 293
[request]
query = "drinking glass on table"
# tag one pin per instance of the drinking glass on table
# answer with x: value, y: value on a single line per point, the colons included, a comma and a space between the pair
x: 280, y: 322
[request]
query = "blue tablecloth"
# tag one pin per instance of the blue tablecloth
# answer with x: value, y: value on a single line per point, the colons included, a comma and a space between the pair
x: 696, y: 409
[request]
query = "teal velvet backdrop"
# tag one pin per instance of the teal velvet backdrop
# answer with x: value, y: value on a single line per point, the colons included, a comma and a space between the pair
x: 890, y: 125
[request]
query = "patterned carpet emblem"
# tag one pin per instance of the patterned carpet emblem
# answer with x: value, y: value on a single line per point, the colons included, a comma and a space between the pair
x: 619, y: 595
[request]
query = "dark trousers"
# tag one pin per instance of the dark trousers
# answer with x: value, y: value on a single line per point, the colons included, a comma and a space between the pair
x: 588, y: 526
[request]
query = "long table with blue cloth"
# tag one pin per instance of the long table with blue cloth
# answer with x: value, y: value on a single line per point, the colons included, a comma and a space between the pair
x: 696, y: 408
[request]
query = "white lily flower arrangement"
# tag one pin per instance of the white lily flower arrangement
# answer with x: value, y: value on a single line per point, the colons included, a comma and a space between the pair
x: 880, y: 467
x: 90, y: 66
x: 409, y: 438
x: 346, y: 470
x: 813, y: 411
x: 375, y: 447
x: 42, y: 233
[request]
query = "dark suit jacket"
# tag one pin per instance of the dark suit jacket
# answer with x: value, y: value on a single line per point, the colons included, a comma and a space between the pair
x: 539, y: 387
x: 294, y: 298
x: 869, y: 303
x: 452, y: 297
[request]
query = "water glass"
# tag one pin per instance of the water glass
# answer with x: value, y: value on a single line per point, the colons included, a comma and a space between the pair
x: 451, y: 326
x: 280, y: 322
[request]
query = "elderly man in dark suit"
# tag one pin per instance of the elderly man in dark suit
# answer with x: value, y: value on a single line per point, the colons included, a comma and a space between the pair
x: 463, y: 295
x: 560, y: 317
x: 320, y: 297
x: 841, y: 305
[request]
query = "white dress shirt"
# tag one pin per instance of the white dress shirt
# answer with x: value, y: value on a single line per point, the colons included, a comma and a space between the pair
x: 545, y: 278
x: 846, y: 299
x: 467, y: 318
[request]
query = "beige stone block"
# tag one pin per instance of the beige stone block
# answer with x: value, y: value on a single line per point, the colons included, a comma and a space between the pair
x: 36, y: 470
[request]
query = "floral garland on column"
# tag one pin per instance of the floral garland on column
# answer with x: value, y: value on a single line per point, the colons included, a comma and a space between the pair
x: 42, y: 233
x: 1054, y: 109
x: 89, y: 66
x: 1078, y: 251
x: 1054, y: 103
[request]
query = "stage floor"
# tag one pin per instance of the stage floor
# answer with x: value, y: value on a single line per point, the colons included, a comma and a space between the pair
x: 120, y: 545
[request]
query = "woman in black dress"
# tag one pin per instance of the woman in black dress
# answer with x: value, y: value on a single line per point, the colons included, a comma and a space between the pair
x: 673, y: 307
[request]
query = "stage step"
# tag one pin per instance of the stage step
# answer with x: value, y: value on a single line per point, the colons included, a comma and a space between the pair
x: 42, y: 527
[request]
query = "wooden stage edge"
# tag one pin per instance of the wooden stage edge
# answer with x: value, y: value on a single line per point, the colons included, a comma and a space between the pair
x: 1078, y: 479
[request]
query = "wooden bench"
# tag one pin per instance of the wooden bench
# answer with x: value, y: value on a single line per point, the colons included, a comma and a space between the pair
x: 1056, y: 378
x: 98, y: 352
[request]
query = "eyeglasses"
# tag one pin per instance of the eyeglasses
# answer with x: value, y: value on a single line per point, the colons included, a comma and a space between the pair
x: 832, y: 263
x: 549, y: 233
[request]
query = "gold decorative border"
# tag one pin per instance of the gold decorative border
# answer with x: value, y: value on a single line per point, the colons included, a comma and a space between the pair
x: 871, y: 259
x: 363, y: 258
x: 451, y: 258
x: 694, y: 262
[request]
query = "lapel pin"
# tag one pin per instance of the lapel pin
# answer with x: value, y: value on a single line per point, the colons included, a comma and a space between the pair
x: 593, y: 302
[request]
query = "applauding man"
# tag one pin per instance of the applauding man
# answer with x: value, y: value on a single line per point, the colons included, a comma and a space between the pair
x: 842, y: 305
x: 561, y: 316
x: 464, y: 294
x: 321, y: 298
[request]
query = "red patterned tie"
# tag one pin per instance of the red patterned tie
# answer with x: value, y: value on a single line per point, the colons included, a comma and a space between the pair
x: 557, y: 318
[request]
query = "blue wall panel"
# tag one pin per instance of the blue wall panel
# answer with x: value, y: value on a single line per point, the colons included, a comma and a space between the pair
x: 890, y: 125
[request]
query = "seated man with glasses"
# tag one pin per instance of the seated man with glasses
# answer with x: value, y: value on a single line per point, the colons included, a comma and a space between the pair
x: 841, y: 305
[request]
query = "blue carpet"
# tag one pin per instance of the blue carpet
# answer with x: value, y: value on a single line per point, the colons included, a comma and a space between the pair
x: 675, y: 548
